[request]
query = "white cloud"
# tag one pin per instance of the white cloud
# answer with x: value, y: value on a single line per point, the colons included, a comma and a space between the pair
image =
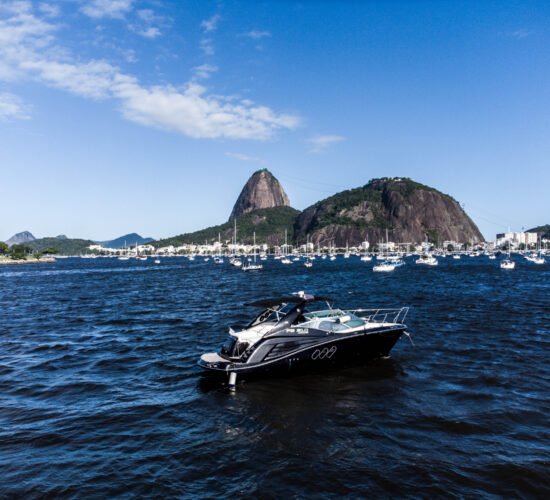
x: 195, y: 114
x: 147, y: 32
x: 211, y: 24
x: 49, y: 9
x: 28, y: 50
x: 257, y: 35
x: 12, y: 107
x: 107, y: 8
x: 320, y: 143
x: 147, y: 15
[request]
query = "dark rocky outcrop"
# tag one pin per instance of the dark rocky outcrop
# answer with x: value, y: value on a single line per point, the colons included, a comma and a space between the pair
x: 126, y: 240
x: 262, y: 190
x: 23, y: 237
x: 542, y: 231
x: 408, y: 210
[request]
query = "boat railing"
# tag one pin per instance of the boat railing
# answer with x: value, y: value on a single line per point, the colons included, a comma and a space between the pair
x: 380, y: 315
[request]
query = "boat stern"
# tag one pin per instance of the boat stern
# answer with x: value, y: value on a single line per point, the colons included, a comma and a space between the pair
x: 213, y: 361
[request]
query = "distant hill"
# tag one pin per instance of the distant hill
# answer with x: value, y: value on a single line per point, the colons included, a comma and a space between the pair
x: 268, y: 223
x: 542, y: 231
x: 128, y: 240
x: 23, y: 237
x: 410, y: 211
x: 63, y: 246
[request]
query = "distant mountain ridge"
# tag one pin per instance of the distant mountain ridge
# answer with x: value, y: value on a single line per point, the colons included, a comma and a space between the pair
x: 22, y: 237
x: 408, y: 210
x: 128, y: 239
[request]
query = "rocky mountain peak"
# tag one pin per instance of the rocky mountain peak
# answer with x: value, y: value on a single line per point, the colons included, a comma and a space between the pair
x: 22, y: 237
x: 262, y: 190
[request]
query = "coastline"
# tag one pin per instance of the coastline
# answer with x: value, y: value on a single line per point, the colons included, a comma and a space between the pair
x: 27, y: 261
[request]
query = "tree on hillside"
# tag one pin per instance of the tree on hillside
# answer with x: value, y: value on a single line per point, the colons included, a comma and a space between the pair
x: 3, y: 248
x: 19, y: 251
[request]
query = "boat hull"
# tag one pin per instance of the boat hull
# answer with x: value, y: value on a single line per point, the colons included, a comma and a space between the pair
x: 330, y: 354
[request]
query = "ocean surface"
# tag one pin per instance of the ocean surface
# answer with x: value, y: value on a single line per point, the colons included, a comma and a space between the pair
x: 101, y: 395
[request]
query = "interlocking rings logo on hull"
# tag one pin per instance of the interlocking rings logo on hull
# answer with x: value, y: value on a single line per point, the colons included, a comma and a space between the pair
x: 325, y: 352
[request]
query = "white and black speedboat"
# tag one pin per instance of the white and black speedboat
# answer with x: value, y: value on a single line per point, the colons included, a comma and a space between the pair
x: 290, y: 334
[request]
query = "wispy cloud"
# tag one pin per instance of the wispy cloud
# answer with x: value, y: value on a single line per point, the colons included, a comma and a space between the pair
x: 244, y: 157
x: 256, y: 35
x: 320, y: 143
x: 146, y: 24
x: 150, y: 32
x: 29, y: 50
x: 115, y: 9
x: 518, y: 34
x: 211, y: 24
x: 207, y: 46
x: 204, y: 71
x: 49, y: 9
x: 12, y: 107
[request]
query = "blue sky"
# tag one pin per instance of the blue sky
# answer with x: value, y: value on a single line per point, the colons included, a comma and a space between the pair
x: 149, y: 116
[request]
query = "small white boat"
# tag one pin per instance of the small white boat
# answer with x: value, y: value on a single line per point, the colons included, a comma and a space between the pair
x: 286, y: 260
x: 124, y: 257
x: 507, y: 264
x: 427, y: 260
x: 157, y: 261
x: 308, y: 263
x: 366, y: 258
x: 456, y: 256
x: 384, y: 267
x: 252, y: 267
x: 236, y: 262
x: 218, y: 260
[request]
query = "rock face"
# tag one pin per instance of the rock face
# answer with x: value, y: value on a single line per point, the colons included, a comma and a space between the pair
x: 407, y: 209
x: 262, y: 190
x: 23, y: 237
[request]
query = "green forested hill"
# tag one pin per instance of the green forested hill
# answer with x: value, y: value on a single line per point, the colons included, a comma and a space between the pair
x: 63, y: 246
x: 268, y: 223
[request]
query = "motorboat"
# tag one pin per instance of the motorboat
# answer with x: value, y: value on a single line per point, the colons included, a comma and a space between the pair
x: 507, y: 264
x: 427, y: 260
x: 384, y: 267
x: 366, y: 258
x: 218, y: 260
x: 157, y: 261
x: 291, y: 334
x: 250, y: 266
x: 308, y: 263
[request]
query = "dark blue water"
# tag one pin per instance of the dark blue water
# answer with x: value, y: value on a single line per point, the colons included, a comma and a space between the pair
x: 100, y: 394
